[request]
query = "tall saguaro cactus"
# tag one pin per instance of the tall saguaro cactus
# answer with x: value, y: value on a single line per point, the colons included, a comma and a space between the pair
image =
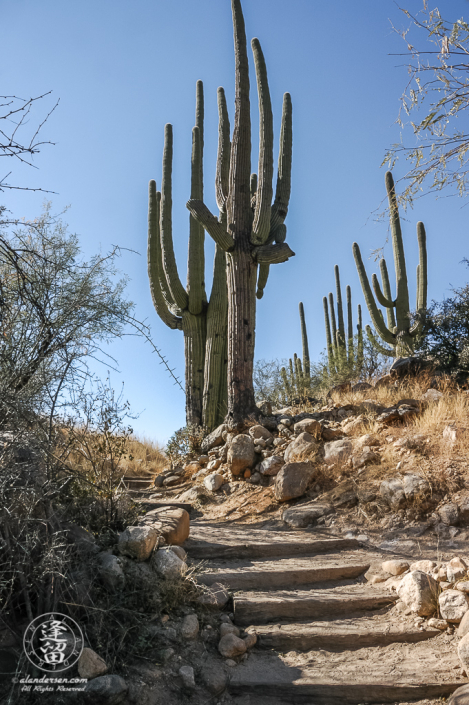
x: 203, y: 323
x: 399, y: 333
x: 250, y: 228
x: 342, y: 353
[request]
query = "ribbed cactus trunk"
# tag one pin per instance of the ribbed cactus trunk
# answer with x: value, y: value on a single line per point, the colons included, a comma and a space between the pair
x: 250, y: 228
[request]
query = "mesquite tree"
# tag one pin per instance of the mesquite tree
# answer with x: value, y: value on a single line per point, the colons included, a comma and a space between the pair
x: 250, y: 228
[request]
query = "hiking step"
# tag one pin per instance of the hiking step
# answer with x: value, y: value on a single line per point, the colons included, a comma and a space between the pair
x: 276, y: 605
x: 395, y: 673
x: 285, y: 572
x: 351, y: 633
x: 214, y: 541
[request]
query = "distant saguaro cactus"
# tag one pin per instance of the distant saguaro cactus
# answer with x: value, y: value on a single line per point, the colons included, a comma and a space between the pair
x: 342, y: 353
x: 400, y: 334
x: 203, y: 323
x: 250, y: 228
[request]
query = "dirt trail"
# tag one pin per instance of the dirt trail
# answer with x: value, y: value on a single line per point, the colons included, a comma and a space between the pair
x: 325, y: 636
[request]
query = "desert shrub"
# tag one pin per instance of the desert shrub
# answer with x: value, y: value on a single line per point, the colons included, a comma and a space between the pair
x: 185, y: 443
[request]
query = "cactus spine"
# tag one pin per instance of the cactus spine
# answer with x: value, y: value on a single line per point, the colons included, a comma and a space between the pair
x: 250, y: 228
x: 399, y: 333
x: 342, y: 354
x: 203, y: 323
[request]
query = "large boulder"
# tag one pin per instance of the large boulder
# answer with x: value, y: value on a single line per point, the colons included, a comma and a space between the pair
x: 461, y: 695
x: 419, y: 591
x: 408, y: 367
x: 414, y: 485
x: 301, y: 448
x: 309, y: 426
x: 463, y: 653
x: 137, y: 542
x: 271, y: 466
x: 337, y: 451
x: 453, y: 605
x: 293, y: 480
x: 241, y: 453
x: 449, y: 514
x: 258, y: 431
x: 215, y: 438
x: 167, y: 564
x: 171, y: 523
x: 456, y: 569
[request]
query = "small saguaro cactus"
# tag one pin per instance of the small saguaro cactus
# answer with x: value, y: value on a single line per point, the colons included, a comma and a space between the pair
x: 297, y: 382
x: 203, y: 323
x: 342, y: 354
x: 399, y: 333
x: 250, y: 228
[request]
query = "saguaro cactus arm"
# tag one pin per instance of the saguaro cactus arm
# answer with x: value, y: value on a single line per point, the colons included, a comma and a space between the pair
x: 283, y: 188
x: 177, y: 290
x: 196, y: 262
x: 387, y: 293
x: 422, y: 269
x: 382, y: 299
x: 376, y: 344
x: 330, y: 348
x: 377, y: 319
x: 340, y: 312
x: 261, y: 224
x: 224, y: 149
x: 155, y: 270
x: 402, y: 292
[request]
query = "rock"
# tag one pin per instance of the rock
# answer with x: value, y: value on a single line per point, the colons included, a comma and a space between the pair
x: 437, y: 623
x: 408, y: 366
x: 215, y: 438
x: 172, y: 524
x: 464, y: 511
x: 460, y: 696
x: 293, y: 480
x: 250, y: 640
x: 228, y: 629
x: 463, y: 652
x: 423, y: 566
x: 105, y: 690
x: 367, y: 440
x: 167, y: 564
x: 392, y: 491
x: 368, y: 457
x: 384, y: 381
x: 309, y: 426
x: 159, y: 479
x: 419, y: 591
x: 301, y: 448
x: 463, y: 628
x: 395, y: 567
x: 214, y: 464
x: 214, y: 481
x: 337, y: 451
x: 214, y: 678
x: 137, y: 542
x: 449, y: 514
x: 203, y: 459
x: 241, y: 453
x: 215, y: 597
x: 230, y: 663
x: 456, y: 569
x: 353, y: 424
x: 464, y: 586
x: 389, y: 416
x: 361, y: 387
x: 271, y: 466
x: 255, y: 478
x: 453, y: 605
x: 231, y: 646
x: 192, y: 467
x: 432, y: 395
x: 301, y: 516
x: 331, y: 434
x: 192, y: 494
x: 190, y: 627
x: 414, y: 485
x: 257, y: 432
x: 344, y: 495
x: 179, y: 551
x: 110, y: 571
x: 171, y: 480
x: 452, y: 433
x: 90, y: 665
x: 187, y: 677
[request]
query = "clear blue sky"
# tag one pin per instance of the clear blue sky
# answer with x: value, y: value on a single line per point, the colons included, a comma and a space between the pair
x: 123, y: 69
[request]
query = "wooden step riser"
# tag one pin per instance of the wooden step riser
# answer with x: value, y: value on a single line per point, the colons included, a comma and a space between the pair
x: 259, y: 580
x: 251, y: 612
x: 337, y: 642
x: 263, y: 550
x: 335, y: 694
